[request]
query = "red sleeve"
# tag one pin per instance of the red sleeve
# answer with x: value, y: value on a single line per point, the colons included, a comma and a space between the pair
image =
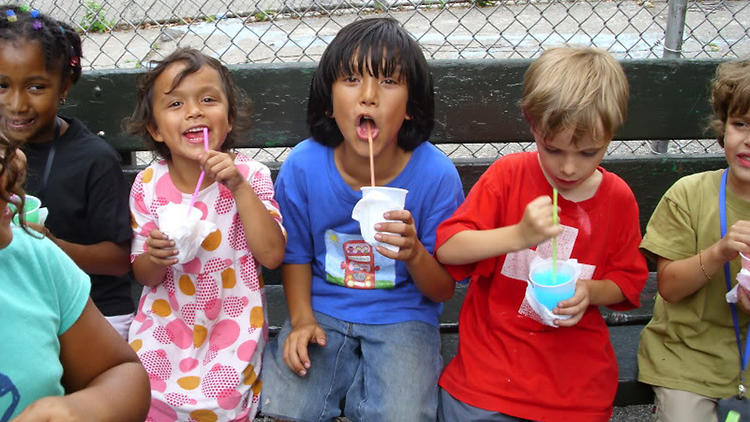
x: 626, y: 265
x: 480, y: 211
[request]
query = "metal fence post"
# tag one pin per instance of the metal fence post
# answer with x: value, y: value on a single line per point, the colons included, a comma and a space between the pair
x: 672, y: 48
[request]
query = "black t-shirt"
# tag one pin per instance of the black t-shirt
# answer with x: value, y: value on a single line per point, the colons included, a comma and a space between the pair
x: 87, y: 198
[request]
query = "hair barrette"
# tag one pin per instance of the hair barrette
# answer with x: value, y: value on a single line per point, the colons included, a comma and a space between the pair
x: 62, y: 30
x: 37, y: 22
x: 24, y: 8
x: 11, y: 15
x: 75, y: 61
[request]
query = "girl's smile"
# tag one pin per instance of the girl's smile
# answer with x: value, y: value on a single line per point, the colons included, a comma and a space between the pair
x: 29, y: 92
x: 182, y: 112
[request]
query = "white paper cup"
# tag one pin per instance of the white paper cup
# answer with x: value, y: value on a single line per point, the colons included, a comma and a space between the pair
x: 375, y: 202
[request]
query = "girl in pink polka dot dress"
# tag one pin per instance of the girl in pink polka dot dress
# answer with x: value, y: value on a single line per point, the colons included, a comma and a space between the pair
x: 200, y: 326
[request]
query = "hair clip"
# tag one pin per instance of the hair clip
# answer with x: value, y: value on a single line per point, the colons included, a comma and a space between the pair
x: 24, y: 8
x: 75, y: 61
x: 62, y: 29
x: 37, y: 22
x: 11, y: 16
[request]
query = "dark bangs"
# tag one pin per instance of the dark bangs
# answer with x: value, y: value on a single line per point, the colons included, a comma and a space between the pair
x: 379, y: 47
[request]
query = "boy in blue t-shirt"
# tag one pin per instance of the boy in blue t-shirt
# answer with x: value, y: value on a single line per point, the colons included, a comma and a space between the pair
x: 378, y: 346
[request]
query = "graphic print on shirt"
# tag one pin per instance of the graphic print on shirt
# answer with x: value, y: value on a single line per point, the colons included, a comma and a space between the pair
x: 351, y: 262
x: 9, y: 397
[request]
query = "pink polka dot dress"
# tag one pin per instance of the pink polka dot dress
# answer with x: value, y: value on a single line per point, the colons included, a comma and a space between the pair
x: 200, y: 333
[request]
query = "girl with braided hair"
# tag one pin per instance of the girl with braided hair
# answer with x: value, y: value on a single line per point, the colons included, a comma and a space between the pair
x: 75, y: 173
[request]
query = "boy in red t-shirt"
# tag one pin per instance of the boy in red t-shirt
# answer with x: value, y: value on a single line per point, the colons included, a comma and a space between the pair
x: 509, y: 365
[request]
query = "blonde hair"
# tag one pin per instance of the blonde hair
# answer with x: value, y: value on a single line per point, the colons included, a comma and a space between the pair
x: 579, y: 88
x: 730, y: 94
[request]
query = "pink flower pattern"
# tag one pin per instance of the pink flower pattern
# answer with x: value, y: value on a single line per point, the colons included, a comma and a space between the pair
x: 196, y: 325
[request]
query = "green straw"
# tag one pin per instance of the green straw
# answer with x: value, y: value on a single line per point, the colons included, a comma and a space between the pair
x: 554, y: 239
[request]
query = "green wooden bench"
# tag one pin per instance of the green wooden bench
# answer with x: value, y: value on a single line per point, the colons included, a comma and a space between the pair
x: 477, y: 102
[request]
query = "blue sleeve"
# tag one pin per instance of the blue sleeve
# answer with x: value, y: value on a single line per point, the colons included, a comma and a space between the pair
x: 448, y: 196
x: 291, y: 194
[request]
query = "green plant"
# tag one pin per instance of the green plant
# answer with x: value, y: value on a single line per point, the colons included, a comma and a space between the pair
x: 94, y: 19
x: 483, y: 3
x: 263, y: 16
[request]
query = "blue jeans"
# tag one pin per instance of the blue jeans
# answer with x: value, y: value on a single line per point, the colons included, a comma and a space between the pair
x: 385, y: 372
x: 452, y: 409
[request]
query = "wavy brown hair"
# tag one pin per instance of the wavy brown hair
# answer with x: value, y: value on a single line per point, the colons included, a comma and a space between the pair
x: 240, y: 107
x: 730, y: 94
x: 12, y: 175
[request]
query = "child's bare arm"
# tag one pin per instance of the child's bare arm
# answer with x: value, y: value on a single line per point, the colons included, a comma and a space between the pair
x: 98, y: 366
x: 150, y: 267
x: 681, y: 278
x: 297, y: 281
x: 263, y: 234
x: 105, y: 258
x: 588, y: 293
x: 429, y: 276
x: 471, y: 246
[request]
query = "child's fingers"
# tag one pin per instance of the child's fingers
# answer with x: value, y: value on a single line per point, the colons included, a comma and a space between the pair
x: 291, y: 357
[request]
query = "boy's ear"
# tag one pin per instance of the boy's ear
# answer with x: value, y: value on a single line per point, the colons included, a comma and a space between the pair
x: 154, y: 132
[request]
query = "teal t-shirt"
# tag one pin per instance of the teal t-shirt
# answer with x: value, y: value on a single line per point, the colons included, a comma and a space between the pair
x: 42, y: 293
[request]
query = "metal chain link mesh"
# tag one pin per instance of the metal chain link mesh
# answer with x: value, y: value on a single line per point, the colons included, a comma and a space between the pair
x: 122, y: 34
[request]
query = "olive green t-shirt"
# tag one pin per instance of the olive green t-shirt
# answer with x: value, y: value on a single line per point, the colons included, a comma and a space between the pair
x: 691, y: 345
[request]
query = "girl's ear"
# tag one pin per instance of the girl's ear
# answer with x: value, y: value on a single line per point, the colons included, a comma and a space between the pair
x: 154, y: 132
x: 65, y: 88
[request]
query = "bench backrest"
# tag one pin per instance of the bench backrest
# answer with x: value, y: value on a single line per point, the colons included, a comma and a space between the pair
x: 476, y: 102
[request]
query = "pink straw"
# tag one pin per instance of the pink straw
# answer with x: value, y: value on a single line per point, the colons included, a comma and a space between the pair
x: 372, y: 160
x: 202, y: 175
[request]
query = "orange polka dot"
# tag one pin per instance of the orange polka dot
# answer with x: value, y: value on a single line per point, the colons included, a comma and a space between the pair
x: 212, y: 241
x: 261, y: 280
x: 136, y: 345
x: 148, y: 174
x: 256, y: 317
x: 257, y: 386
x: 249, y: 376
x: 228, y: 278
x: 133, y: 224
x: 203, y: 415
x: 161, y: 307
x: 189, y: 383
x: 199, y: 335
x: 186, y: 285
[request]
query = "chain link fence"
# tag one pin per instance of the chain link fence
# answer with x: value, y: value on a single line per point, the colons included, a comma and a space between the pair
x: 121, y: 34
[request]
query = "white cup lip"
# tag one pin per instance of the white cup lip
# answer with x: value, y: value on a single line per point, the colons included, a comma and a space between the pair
x: 743, y: 256
x: 385, y: 188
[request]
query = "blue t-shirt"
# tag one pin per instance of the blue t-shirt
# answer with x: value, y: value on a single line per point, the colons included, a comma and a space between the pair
x: 317, y: 206
x: 43, y: 293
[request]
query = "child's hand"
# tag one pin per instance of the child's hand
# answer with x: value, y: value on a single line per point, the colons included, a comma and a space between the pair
x: 220, y: 166
x: 52, y: 408
x: 404, y: 236
x: 160, y: 249
x: 736, y: 240
x: 295, y: 346
x: 575, y: 306
x: 537, y: 223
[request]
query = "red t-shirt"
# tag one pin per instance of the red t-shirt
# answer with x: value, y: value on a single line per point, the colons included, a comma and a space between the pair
x: 508, y: 362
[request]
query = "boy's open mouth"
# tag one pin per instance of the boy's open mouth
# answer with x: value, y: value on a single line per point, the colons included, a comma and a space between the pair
x: 366, y: 127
